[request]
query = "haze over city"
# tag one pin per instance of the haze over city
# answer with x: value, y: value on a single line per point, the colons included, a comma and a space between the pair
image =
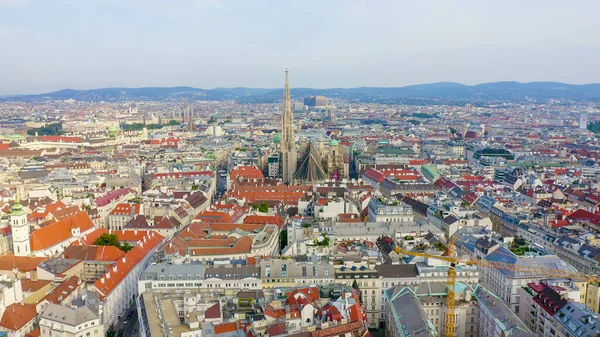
x: 52, y: 45
x: 336, y: 168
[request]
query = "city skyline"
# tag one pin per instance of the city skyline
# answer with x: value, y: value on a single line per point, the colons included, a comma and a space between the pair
x: 55, y: 45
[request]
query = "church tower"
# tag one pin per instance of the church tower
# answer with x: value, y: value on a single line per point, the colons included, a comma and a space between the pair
x: 289, y: 160
x: 20, y: 230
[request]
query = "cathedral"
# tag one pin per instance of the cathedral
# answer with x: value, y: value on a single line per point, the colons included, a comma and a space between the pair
x: 318, y: 160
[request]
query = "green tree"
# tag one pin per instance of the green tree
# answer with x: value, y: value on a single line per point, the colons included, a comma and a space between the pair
x: 283, y: 241
x: 112, y: 240
x: 126, y: 247
x: 173, y: 122
x: 452, y: 131
x: 263, y: 208
x: 111, y: 333
x: 357, y: 288
x: 107, y: 240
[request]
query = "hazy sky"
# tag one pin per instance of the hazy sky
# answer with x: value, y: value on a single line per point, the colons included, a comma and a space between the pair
x: 48, y: 45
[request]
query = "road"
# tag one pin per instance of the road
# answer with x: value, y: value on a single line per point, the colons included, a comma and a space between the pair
x: 130, y: 326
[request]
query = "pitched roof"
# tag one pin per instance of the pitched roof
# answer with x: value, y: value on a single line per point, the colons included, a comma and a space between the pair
x: 17, y: 315
x: 59, y: 231
x: 29, y: 285
x: 107, y: 283
x: 60, y: 293
x: 22, y: 263
x: 126, y: 209
x: 274, y: 219
x: 94, y: 253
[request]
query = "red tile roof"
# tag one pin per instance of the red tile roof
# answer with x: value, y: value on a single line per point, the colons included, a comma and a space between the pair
x: 225, y: 327
x: 275, y: 219
x: 373, y: 175
x: 60, y: 293
x: 22, y: 263
x: 107, y: 283
x: 112, y: 196
x: 126, y: 209
x: 59, y: 231
x: 60, y: 139
x: 94, y: 253
x: 17, y: 315
x: 28, y: 285
x: 247, y: 172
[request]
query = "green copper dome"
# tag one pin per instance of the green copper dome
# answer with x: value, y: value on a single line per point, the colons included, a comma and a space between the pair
x: 113, y: 131
x: 334, y: 142
x: 17, y: 208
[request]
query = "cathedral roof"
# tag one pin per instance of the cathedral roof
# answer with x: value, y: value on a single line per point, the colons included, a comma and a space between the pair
x: 310, y: 168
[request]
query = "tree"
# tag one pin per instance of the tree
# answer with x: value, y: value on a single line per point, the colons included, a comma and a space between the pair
x: 263, y: 208
x: 112, y: 240
x: 173, y: 122
x: 283, y: 241
x: 452, y: 131
x: 107, y: 240
x: 126, y: 247
x: 357, y: 288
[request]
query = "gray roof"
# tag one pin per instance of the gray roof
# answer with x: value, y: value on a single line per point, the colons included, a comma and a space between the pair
x: 173, y: 272
x: 58, y: 265
x: 501, y: 314
x: 546, y: 262
x: 408, y: 313
x: 232, y: 273
x: 67, y: 315
x: 578, y: 319
x: 397, y: 270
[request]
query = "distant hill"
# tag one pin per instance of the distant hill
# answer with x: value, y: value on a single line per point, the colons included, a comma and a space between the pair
x: 441, y: 92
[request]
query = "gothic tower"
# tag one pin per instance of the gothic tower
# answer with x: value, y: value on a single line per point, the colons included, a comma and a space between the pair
x: 20, y: 229
x: 288, y: 137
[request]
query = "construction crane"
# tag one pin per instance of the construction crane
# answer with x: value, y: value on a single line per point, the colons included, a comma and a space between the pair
x: 451, y: 258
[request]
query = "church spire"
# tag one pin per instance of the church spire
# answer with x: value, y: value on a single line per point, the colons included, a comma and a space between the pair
x: 287, y: 104
x: 288, y: 137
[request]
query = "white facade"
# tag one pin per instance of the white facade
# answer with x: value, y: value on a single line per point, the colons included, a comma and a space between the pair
x: 57, y: 320
x: 20, y: 231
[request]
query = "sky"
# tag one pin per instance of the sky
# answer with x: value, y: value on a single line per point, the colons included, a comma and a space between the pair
x: 48, y: 45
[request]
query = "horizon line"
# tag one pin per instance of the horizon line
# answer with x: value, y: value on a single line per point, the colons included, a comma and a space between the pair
x: 293, y: 88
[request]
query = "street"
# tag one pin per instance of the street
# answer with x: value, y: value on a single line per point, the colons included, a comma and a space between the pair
x: 131, y: 325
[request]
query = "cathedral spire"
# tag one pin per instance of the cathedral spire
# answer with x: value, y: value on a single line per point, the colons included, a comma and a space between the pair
x: 288, y: 137
x: 287, y: 104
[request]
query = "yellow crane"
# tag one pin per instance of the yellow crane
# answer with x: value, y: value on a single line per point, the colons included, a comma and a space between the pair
x: 454, y: 260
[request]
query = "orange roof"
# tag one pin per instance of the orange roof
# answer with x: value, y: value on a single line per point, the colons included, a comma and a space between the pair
x: 225, y: 327
x: 89, y: 238
x: 35, y: 333
x: 17, y: 315
x: 59, y: 231
x: 93, y: 253
x: 126, y: 209
x: 107, y: 283
x: 246, y: 172
x: 39, y: 214
x: 60, y: 293
x: 23, y: 263
x: 29, y: 285
x: 275, y: 219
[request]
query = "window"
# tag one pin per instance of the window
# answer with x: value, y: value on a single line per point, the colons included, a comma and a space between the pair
x: 303, y: 271
x: 283, y: 270
x: 315, y: 271
x: 326, y: 271
x: 268, y: 270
